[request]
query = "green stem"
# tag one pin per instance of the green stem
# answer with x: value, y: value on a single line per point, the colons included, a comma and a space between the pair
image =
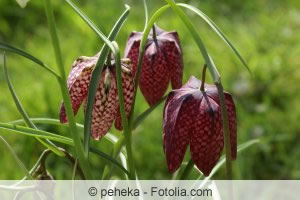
x: 154, y: 34
x: 115, y: 152
x: 187, y: 170
x: 127, y: 130
x: 226, y: 131
x: 203, y: 78
x: 83, y: 161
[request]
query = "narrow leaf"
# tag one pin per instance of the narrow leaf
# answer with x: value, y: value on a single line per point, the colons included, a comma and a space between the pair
x: 35, y: 133
x: 6, y: 47
x: 49, y: 121
x: 29, y: 123
x: 146, y: 13
x: 108, y: 158
x: 217, y: 30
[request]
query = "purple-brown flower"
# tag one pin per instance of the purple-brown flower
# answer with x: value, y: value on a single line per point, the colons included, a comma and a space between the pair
x: 106, y: 108
x: 193, y: 117
x: 162, y: 62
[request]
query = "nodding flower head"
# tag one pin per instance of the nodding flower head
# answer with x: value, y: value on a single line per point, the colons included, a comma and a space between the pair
x: 106, y: 106
x: 162, y: 62
x: 193, y: 117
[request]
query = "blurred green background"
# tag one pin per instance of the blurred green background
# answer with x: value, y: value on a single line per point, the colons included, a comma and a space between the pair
x: 266, y: 32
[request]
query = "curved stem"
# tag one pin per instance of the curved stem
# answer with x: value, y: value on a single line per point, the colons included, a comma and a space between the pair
x: 203, y: 78
x: 154, y: 34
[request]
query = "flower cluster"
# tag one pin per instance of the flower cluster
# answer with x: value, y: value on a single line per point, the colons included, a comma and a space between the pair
x: 192, y: 113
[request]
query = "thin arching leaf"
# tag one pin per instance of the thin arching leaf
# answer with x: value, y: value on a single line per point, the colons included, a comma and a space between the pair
x: 22, y: 130
x: 108, y: 158
x: 6, y: 47
x: 49, y: 121
x: 217, y: 30
x: 48, y: 144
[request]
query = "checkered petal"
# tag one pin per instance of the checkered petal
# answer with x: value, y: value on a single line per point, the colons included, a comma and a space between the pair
x: 128, y: 92
x: 154, y: 78
x: 207, y: 140
x: 105, y: 108
x: 177, y: 128
x: 78, y: 83
x: 173, y: 54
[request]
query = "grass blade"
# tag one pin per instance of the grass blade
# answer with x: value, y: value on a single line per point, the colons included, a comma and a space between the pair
x: 19, y: 162
x: 35, y: 133
x: 108, y: 158
x: 95, y: 78
x: 49, y: 121
x: 217, y: 30
x: 146, y: 13
x: 6, y: 47
x: 29, y: 123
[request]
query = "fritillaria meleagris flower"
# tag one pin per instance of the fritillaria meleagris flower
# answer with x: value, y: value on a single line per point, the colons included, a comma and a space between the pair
x: 106, y: 108
x: 193, y: 117
x: 162, y: 62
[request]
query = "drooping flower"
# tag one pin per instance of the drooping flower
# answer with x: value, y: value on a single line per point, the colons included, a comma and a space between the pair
x: 162, y: 62
x: 193, y: 117
x: 106, y: 107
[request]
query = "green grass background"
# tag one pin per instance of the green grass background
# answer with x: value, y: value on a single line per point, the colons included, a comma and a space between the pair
x: 266, y: 32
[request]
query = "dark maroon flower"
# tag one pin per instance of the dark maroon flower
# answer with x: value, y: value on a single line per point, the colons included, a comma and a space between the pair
x: 193, y: 117
x: 162, y: 62
x: 106, y: 108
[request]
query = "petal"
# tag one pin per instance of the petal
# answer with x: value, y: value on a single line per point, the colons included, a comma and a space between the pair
x: 213, y: 93
x: 78, y: 83
x: 154, y: 78
x: 175, y: 63
x: 128, y: 93
x: 178, y: 121
x: 192, y: 83
x: 232, y: 124
x: 207, y: 138
x: 132, y: 49
x: 104, y: 111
